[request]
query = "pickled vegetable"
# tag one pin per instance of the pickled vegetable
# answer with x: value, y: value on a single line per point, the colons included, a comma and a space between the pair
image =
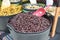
x: 12, y: 10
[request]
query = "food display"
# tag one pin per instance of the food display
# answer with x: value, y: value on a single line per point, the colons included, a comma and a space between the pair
x: 25, y: 20
x: 32, y: 6
x: 12, y: 10
x: 28, y: 23
x: 52, y: 10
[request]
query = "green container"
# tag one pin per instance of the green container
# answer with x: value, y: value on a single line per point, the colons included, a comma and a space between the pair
x: 29, y: 36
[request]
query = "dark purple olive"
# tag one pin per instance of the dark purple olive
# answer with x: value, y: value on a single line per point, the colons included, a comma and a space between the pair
x: 27, y: 23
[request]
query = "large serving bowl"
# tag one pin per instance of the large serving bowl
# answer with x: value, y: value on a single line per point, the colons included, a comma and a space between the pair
x: 44, y: 35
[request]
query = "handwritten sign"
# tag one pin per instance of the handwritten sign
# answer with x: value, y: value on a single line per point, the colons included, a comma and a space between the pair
x: 5, y: 4
x: 33, y: 1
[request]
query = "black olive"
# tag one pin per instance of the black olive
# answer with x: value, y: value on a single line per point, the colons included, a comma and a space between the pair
x: 29, y: 23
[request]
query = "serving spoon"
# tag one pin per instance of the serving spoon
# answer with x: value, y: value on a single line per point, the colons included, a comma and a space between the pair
x: 39, y: 12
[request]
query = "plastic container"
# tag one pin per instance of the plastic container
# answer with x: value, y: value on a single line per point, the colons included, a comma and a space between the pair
x: 29, y: 36
x: 3, y: 22
x: 15, y: 0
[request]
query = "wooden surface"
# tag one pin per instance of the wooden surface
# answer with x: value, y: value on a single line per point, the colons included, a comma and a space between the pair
x: 57, y: 12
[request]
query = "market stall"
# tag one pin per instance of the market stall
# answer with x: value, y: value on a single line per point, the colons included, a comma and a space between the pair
x: 28, y: 20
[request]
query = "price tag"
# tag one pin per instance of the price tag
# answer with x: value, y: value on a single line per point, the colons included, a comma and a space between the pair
x: 5, y: 4
x: 33, y: 1
x: 49, y: 2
